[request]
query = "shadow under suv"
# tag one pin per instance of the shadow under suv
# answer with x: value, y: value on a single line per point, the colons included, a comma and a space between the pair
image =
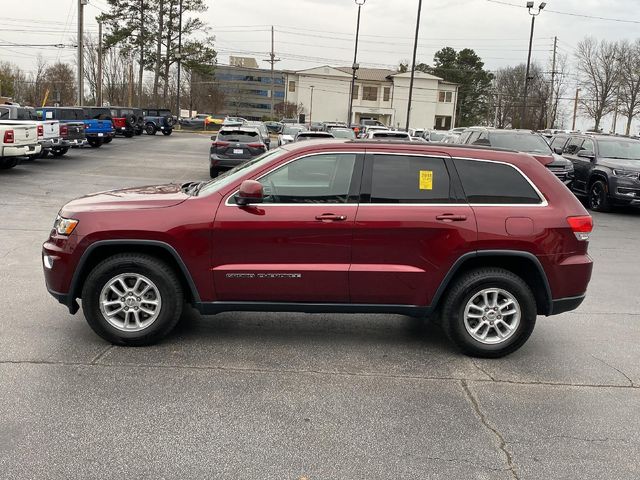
x: 607, y: 169
x: 482, y: 240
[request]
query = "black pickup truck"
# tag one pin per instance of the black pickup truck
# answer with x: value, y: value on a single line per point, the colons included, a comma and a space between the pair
x: 72, y: 127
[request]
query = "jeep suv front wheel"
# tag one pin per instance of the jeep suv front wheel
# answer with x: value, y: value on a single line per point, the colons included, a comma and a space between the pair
x: 132, y: 299
x: 489, y: 312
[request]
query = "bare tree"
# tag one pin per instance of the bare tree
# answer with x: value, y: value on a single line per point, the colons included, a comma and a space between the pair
x: 629, y: 61
x: 598, y: 68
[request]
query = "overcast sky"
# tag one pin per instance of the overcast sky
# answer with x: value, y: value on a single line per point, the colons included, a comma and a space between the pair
x: 317, y: 32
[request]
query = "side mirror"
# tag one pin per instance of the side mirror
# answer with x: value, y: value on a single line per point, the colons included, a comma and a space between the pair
x: 586, y: 154
x: 250, y: 192
x: 213, y: 137
x: 558, y: 150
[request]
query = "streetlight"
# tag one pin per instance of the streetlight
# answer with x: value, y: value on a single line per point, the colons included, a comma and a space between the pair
x: 526, y: 77
x: 355, y: 66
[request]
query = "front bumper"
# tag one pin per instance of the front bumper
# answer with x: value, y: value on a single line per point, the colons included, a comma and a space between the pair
x: 624, y: 191
x: 59, y: 258
x: 20, y: 150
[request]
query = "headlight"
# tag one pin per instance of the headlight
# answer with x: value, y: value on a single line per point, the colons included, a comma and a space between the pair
x: 64, y: 226
x: 626, y: 174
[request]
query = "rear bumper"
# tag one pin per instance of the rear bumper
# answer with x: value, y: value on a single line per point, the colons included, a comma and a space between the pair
x: 20, y: 151
x: 75, y: 142
x: 225, y: 163
x: 567, y: 304
x: 49, y: 143
x: 99, y: 135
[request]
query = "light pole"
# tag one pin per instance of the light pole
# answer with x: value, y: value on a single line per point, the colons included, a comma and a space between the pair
x: 355, y: 66
x: 413, y: 65
x: 523, y: 119
x: 179, y: 58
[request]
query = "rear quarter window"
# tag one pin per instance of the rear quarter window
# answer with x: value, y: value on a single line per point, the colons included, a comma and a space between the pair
x: 486, y: 182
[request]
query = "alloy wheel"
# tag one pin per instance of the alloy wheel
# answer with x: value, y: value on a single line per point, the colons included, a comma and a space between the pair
x: 492, y: 316
x: 130, y: 302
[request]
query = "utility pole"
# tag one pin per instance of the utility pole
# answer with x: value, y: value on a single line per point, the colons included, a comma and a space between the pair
x: 575, y: 109
x: 310, y: 106
x: 141, y: 46
x: 615, y: 111
x: 81, y: 4
x: 495, y: 117
x: 355, y: 65
x: 179, y: 57
x: 99, y: 86
x: 413, y: 67
x: 550, y: 114
x: 130, y: 102
x: 272, y: 60
x: 523, y: 119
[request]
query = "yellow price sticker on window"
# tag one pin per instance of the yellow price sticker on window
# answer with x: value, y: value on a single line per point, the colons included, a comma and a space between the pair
x: 426, y: 180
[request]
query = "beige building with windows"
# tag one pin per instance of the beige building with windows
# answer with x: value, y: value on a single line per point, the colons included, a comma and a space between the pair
x: 379, y: 94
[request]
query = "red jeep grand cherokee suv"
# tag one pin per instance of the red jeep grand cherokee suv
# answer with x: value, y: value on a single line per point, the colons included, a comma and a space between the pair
x: 482, y: 239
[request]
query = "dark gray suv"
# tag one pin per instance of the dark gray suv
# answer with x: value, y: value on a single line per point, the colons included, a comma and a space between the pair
x: 607, y: 169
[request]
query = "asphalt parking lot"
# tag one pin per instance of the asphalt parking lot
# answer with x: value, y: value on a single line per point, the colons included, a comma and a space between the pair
x: 291, y: 396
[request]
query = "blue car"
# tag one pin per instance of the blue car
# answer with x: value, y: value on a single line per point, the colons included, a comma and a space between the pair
x: 98, y: 125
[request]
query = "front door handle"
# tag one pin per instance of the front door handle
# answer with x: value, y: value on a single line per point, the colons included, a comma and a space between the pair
x: 450, y: 217
x: 331, y: 217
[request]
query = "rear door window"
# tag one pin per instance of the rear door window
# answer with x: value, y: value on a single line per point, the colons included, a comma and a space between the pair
x: 558, y: 142
x: 409, y: 179
x: 4, y: 113
x: 486, y: 182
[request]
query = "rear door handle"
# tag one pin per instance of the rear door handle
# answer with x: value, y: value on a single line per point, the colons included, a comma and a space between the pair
x: 450, y: 217
x: 331, y: 217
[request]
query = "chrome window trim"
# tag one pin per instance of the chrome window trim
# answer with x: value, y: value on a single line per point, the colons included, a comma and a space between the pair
x: 543, y: 202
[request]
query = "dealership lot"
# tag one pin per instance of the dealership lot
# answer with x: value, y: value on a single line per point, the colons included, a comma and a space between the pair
x: 294, y: 395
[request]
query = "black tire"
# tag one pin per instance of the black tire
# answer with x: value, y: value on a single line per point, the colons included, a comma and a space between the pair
x: 107, y: 140
x: 598, y: 199
x: 59, y: 152
x: 471, y: 284
x: 164, y: 278
x: 33, y: 157
x: 94, y: 142
x: 168, y: 122
x: 44, y: 153
x: 166, y: 132
x: 213, y: 172
x: 128, y: 134
x: 150, y: 128
x: 7, y: 163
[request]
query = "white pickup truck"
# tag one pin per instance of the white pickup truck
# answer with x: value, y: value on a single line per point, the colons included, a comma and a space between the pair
x: 48, y: 130
x: 16, y: 141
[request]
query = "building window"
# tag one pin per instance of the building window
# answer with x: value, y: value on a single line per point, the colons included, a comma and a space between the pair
x: 386, y: 95
x: 356, y: 91
x: 292, y: 86
x: 370, y: 93
x: 445, y: 97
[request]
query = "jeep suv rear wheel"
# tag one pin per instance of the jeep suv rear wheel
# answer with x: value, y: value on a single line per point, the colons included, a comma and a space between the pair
x: 489, y: 312
x: 132, y: 299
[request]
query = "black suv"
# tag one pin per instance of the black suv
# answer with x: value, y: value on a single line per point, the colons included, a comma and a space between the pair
x: 526, y: 141
x: 233, y: 146
x: 158, y: 119
x: 607, y: 169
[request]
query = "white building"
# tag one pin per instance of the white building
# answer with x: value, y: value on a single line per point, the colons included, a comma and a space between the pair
x: 379, y: 94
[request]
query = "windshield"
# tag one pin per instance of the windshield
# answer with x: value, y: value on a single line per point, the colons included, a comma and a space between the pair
x: 622, y: 148
x: 239, y: 171
x: 522, y: 142
x: 241, y: 136
x: 291, y: 130
x: 343, y: 133
x: 436, y: 137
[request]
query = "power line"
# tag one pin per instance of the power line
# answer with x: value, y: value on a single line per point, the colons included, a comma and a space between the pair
x: 571, y: 14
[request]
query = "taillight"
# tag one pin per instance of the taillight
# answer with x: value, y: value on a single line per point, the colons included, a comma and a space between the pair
x: 64, y: 130
x: 40, y: 131
x: 220, y: 144
x: 8, y: 136
x: 581, y: 225
x: 257, y: 145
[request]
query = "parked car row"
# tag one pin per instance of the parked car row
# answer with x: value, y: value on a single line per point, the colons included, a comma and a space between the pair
x: 38, y: 132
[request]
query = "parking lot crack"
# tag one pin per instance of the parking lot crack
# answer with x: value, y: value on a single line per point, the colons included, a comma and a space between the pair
x: 101, y: 354
x: 502, y: 444
x: 483, y: 370
x: 631, y: 384
x: 460, y: 460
